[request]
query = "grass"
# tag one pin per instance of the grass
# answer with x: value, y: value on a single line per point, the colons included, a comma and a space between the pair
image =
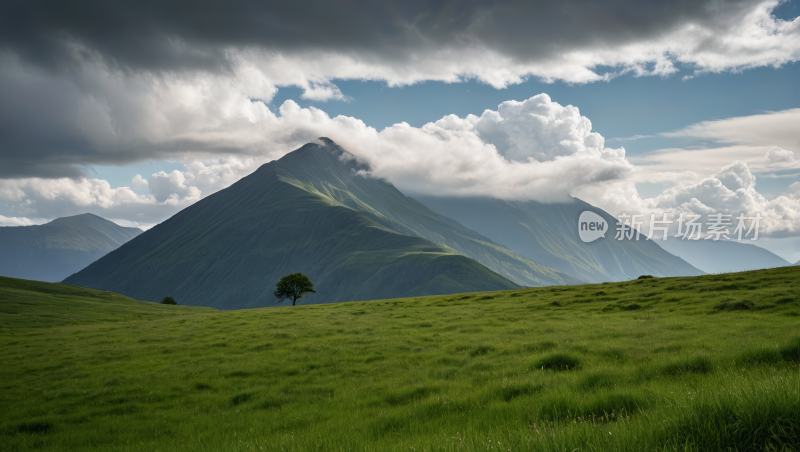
x: 556, y: 369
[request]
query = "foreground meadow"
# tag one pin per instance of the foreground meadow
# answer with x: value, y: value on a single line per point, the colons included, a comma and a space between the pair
x: 704, y: 363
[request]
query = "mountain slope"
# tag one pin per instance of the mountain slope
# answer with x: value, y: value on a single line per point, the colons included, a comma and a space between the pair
x: 53, y: 251
x: 356, y: 238
x: 337, y: 180
x: 722, y: 256
x: 547, y: 233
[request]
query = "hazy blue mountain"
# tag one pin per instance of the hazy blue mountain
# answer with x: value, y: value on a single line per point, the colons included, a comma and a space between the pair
x: 355, y: 237
x: 722, y: 256
x: 51, y: 252
x: 548, y: 234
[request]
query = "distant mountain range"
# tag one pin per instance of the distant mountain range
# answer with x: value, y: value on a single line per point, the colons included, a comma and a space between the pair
x: 548, y: 234
x: 53, y: 251
x: 314, y: 212
x: 722, y: 256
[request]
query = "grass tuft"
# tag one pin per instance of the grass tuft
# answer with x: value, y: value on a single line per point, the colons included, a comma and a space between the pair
x: 34, y: 427
x: 791, y: 352
x: 693, y: 365
x: 409, y: 395
x: 241, y: 398
x: 759, y: 356
x: 481, y: 350
x: 734, y: 306
x: 558, y: 362
x: 598, y: 380
x: 513, y: 391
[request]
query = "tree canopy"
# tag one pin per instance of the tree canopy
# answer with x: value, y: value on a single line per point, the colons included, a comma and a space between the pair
x: 293, y: 287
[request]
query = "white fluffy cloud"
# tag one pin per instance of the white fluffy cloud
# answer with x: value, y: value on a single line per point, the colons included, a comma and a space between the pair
x: 16, y: 221
x: 139, y: 182
x: 533, y: 149
x: 53, y: 198
x: 767, y: 142
x: 172, y: 187
x: 779, y: 156
x: 733, y: 190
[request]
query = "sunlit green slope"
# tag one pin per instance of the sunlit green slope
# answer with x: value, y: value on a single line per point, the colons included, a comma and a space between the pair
x: 548, y: 234
x: 670, y: 364
x: 355, y: 237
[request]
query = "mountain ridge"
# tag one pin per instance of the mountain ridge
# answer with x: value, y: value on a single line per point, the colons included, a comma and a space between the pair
x: 355, y: 237
x: 723, y: 256
x: 55, y: 250
x: 547, y: 233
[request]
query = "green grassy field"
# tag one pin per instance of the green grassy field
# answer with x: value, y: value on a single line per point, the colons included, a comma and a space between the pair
x: 704, y: 363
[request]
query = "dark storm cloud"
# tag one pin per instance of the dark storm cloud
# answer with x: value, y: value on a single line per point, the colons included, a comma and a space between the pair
x: 105, y: 82
x: 194, y: 34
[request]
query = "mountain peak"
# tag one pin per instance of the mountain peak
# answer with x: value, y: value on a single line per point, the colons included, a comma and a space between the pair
x: 319, y: 154
x: 55, y: 250
x: 77, y: 218
x: 312, y: 211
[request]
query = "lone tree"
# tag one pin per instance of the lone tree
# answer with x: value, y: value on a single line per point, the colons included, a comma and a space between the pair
x: 168, y: 300
x: 293, y: 287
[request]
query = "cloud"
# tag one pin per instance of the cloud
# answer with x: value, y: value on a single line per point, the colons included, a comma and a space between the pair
x: 777, y: 128
x: 410, y: 42
x: 16, y: 221
x: 534, y: 149
x: 172, y: 186
x: 168, y: 193
x: 766, y: 142
x: 732, y: 190
x: 139, y: 182
x: 54, y: 198
x: 537, y: 128
x: 530, y: 149
x: 151, y: 82
x: 778, y: 156
x: 723, y: 175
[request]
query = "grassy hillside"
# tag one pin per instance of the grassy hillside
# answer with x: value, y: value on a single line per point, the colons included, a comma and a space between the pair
x: 355, y: 237
x: 704, y: 363
x: 322, y: 169
x: 32, y: 304
x: 53, y: 251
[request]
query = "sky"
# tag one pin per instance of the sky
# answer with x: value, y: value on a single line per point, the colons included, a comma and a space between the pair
x: 135, y: 111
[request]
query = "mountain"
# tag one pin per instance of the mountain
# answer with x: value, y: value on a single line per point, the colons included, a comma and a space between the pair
x: 722, y: 256
x: 51, y: 252
x: 313, y: 211
x: 548, y: 234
